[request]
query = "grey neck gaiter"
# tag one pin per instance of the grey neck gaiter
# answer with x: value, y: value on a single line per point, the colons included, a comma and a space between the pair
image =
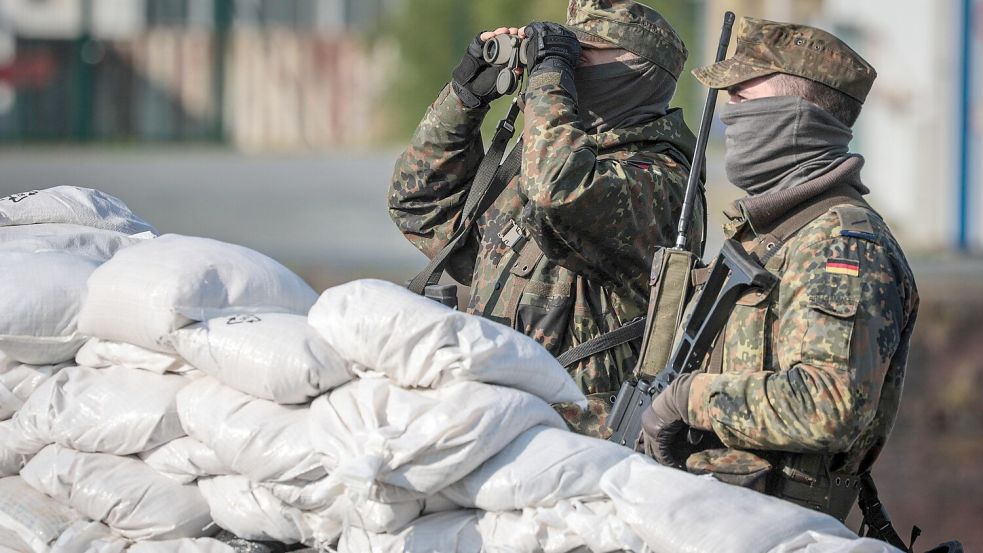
x: 619, y: 95
x: 779, y: 142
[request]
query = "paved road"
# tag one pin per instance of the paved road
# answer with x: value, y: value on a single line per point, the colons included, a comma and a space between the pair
x: 307, y: 211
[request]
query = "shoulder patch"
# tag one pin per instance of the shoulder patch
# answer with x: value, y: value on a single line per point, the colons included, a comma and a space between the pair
x: 854, y: 223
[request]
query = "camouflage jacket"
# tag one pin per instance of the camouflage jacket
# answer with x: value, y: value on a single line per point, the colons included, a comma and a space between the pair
x: 816, y: 366
x: 597, y: 206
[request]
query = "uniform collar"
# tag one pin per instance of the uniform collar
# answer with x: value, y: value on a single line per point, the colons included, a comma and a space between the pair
x: 761, y: 211
x: 669, y: 128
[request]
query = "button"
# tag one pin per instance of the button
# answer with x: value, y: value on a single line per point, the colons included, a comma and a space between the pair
x: 498, y: 285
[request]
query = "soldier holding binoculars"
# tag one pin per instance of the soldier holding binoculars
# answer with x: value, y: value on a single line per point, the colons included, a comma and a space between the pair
x: 563, y: 253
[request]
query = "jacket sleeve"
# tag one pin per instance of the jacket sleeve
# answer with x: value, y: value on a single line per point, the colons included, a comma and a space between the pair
x: 836, y: 335
x: 597, y: 216
x: 433, y: 175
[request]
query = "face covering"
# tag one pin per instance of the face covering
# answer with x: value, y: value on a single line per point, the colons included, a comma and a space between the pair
x: 779, y: 142
x: 622, y: 94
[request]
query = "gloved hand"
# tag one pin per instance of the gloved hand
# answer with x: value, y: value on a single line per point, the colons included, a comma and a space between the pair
x: 551, y: 47
x: 665, y: 424
x: 474, y: 78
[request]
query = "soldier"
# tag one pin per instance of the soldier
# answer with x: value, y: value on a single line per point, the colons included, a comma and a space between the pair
x: 803, y: 384
x: 563, y: 254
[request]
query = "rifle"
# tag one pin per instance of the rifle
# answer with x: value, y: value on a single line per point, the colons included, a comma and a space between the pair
x: 732, y: 274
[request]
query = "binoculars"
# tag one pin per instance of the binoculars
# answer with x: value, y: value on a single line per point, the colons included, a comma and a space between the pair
x: 508, y: 52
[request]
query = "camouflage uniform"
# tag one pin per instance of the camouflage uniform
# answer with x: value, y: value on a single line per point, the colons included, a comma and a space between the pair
x: 809, y: 376
x: 596, y: 205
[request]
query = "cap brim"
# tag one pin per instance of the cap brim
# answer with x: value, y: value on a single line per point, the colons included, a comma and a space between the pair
x: 729, y: 72
x: 591, y: 39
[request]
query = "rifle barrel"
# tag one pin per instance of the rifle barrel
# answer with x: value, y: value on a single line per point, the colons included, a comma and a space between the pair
x: 701, y: 140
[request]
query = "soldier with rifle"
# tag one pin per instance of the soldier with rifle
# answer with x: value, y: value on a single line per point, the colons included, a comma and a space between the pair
x: 555, y: 241
x: 787, y: 373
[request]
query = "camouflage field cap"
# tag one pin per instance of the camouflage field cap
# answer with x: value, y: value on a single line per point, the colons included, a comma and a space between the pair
x: 766, y: 47
x: 629, y: 25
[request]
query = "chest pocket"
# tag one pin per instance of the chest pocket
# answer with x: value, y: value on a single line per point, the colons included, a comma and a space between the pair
x: 746, y: 338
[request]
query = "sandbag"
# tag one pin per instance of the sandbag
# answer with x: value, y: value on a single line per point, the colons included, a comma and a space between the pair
x: 185, y: 460
x: 254, y: 437
x: 88, y: 536
x: 150, y: 289
x: 374, y: 432
x: 539, y: 468
x: 114, y: 410
x: 41, y: 295
x: 127, y: 495
x: 101, y: 354
x: 448, y: 532
x: 566, y: 526
x: 676, y: 511
x: 252, y: 512
x: 18, y: 382
x: 71, y: 205
x: 96, y: 244
x: 418, y: 342
x: 36, y: 519
x: 815, y: 542
x: 273, y: 356
x: 16, y: 448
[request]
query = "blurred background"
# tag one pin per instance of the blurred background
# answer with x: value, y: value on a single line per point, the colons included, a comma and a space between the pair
x: 275, y: 124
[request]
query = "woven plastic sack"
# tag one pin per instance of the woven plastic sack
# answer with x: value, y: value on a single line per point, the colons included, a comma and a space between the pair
x: 151, y: 289
x: 418, y: 342
x: 18, y: 382
x: 538, y: 469
x: 41, y: 295
x: 16, y: 448
x: 274, y: 356
x: 127, y: 495
x: 185, y: 460
x: 676, y: 511
x: 448, y: 532
x: 96, y: 244
x: 115, y: 410
x: 374, y: 432
x: 815, y: 542
x: 101, y: 354
x: 71, y: 205
x: 36, y: 519
x: 254, y: 437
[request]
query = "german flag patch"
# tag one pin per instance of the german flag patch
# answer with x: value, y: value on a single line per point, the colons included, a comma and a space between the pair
x: 843, y: 267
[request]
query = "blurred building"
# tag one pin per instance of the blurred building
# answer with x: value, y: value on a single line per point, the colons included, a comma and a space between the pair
x: 256, y: 73
x: 911, y: 127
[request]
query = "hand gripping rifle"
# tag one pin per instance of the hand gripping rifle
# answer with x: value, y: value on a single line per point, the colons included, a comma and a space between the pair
x: 732, y: 274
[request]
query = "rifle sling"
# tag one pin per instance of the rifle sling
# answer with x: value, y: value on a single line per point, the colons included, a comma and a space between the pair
x: 492, y: 177
x: 621, y: 335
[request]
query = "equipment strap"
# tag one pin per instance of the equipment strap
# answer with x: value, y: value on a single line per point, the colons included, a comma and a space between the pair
x: 876, y: 520
x: 492, y: 177
x: 621, y: 335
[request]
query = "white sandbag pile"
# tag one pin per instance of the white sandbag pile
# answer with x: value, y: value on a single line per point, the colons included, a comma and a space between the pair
x: 149, y: 290
x: 187, y: 385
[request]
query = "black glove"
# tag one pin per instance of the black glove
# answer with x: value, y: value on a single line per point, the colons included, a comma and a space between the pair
x: 665, y: 424
x: 474, y: 78
x: 551, y: 47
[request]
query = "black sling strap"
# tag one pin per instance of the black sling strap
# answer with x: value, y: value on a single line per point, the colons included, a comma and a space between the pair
x: 621, y: 335
x: 491, y: 179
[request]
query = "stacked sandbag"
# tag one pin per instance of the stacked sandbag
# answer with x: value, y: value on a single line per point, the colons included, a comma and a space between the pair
x: 50, y: 242
x: 149, y: 290
x: 18, y: 381
x: 209, y: 391
x: 71, y: 205
x: 123, y: 492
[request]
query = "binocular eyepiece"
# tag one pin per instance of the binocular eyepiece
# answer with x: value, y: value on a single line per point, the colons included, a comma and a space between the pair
x: 509, y: 52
